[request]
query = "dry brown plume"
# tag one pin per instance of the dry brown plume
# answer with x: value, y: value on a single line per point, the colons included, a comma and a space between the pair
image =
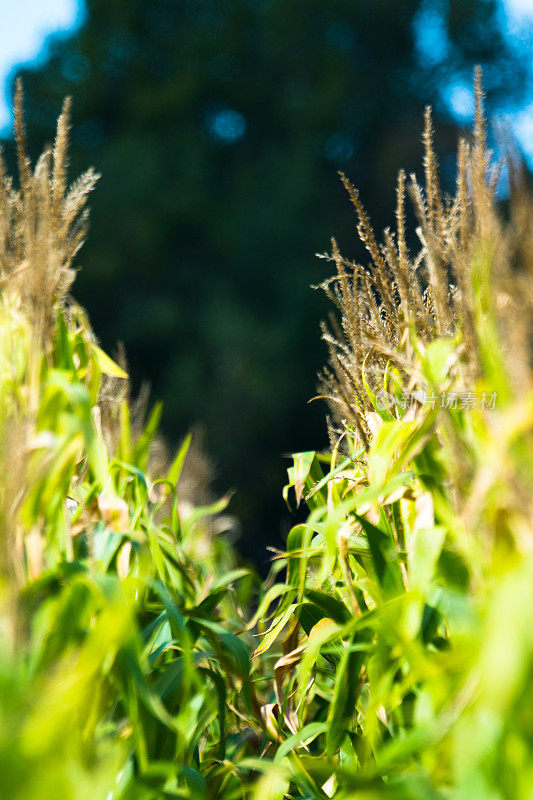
x: 428, y: 294
x: 43, y: 223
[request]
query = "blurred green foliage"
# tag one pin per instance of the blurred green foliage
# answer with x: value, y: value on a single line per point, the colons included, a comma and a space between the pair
x: 393, y: 659
x: 110, y: 629
x: 218, y: 128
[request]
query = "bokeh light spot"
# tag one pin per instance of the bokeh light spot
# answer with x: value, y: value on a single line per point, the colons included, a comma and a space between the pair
x: 227, y: 125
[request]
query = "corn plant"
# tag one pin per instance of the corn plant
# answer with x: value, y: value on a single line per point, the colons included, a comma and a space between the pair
x: 402, y: 642
x: 389, y: 653
x: 120, y: 602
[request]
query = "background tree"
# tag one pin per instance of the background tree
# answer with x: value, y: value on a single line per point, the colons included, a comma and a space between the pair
x: 218, y: 127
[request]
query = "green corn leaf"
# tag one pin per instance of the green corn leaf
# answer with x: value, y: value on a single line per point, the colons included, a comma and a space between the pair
x: 301, y: 738
x: 384, y: 557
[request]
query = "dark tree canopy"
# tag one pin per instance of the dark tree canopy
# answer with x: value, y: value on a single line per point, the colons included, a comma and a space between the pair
x: 218, y: 127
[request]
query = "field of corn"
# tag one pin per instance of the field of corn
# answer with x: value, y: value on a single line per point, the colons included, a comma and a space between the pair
x: 389, y: 652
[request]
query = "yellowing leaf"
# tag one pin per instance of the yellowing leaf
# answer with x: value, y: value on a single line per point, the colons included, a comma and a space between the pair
x: 106, y: 364
x: 114, y: 512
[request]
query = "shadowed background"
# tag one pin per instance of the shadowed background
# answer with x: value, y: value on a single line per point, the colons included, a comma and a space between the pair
x: 219, y: 127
